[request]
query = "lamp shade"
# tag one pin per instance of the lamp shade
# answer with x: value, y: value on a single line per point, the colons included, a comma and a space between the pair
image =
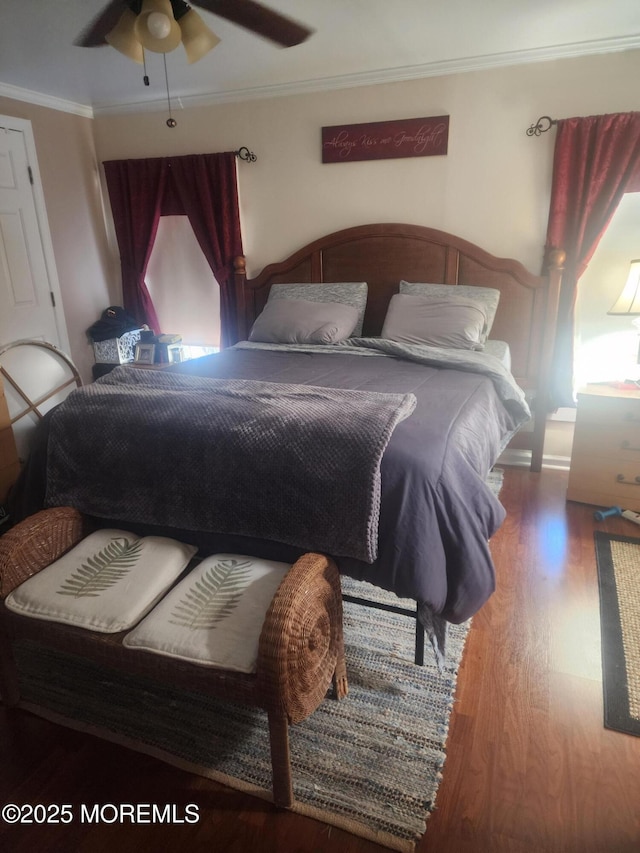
x: 197, y: 38
x: 156, y: 28
x: 629, y: 300
x: 123, y: 37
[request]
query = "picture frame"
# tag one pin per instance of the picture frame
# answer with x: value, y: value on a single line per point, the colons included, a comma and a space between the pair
x: 145, y: 353
x: 175, y: 353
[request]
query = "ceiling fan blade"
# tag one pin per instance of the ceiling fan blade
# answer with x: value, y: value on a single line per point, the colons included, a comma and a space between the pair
x: 258, y: 19
x: 93, y: 35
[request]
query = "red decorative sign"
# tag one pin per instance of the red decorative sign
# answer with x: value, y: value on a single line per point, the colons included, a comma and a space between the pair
x: 381, y: 140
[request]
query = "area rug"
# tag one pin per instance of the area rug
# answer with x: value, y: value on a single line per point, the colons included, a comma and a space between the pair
x: 618, y: 560
x: 370, y: 764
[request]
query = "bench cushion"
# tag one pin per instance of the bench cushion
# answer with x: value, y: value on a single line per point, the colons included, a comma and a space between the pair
x: 106, y: 583
x: 214, y: 616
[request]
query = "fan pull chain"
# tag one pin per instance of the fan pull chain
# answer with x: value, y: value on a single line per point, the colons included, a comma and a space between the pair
x: 144, y: 65
x: 171, y: 122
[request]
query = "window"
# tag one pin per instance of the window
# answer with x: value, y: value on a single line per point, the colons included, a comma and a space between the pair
x: 184, y: 291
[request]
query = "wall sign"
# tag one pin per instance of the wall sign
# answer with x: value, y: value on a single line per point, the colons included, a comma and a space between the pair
x: 381, y: 140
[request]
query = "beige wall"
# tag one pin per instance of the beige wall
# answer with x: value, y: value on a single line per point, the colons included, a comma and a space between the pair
x: 70, y: 179
x: 492, y: 188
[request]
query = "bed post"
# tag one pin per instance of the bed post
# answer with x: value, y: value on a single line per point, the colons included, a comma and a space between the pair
x: 239, y: 279
x: 554, y: 265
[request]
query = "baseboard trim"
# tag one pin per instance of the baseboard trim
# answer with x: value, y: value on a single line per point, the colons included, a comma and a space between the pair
x: 522, y: 459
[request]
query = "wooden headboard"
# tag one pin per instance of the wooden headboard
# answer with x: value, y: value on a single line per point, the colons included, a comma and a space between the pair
x: 383, y: 254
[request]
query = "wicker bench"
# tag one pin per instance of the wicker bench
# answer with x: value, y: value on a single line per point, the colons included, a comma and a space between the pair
x: 300, y: 652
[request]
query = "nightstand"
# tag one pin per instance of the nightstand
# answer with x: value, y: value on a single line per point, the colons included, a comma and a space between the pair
x: 605, y: 460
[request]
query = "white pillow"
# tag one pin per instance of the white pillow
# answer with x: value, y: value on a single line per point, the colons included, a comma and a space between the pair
x: 299, y: 321
x: 436, y: 322
x: 489, y: 297
x: 214, y: 616
x: 106, y: 583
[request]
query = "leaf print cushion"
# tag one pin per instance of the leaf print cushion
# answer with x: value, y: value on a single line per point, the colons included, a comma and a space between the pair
x: 107, y: 583
x: 214, y: 616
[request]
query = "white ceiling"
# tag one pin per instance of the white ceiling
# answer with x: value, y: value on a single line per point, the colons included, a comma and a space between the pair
x: 355, y: 42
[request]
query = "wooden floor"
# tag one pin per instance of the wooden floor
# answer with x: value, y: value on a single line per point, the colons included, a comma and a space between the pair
x: 530, y: 767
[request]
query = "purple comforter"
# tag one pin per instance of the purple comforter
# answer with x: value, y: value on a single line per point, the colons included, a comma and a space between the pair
x: 437, y: 513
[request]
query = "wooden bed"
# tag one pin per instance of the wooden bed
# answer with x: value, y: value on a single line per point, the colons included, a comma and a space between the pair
x: 383, y: 254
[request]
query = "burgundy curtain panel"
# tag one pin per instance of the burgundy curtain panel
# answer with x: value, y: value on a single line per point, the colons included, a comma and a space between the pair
x: 596, y: 161
x: 136, y: 189
x: 200, y: 186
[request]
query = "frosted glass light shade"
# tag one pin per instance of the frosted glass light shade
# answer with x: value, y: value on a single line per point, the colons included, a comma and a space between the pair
x: 149, y: 14
x: 629, y: 300
x: 197, y: 38
x: 158, y: 25
x: 123, y: 37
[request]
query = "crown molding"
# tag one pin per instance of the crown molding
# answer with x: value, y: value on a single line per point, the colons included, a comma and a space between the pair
x: 40, y: 100
x: 27, y: 96
x: 392, y: 75
x: 324, y: 84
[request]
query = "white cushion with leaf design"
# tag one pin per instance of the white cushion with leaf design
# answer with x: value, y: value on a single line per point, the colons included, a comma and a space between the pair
x: 106, y: 583
x: 214, y: 616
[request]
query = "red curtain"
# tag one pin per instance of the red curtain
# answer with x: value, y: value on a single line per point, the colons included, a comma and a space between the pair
x: 596, y: 160
x: 202, y: 187
x: 136, y: 189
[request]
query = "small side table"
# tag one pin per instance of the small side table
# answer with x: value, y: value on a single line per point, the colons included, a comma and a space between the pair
x: 605, y: 460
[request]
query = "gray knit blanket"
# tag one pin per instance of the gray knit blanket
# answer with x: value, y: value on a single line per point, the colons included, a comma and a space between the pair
x: 291, y: 463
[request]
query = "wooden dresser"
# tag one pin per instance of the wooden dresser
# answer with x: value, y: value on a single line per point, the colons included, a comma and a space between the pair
x: 9, y: 464
x: 605, y: 461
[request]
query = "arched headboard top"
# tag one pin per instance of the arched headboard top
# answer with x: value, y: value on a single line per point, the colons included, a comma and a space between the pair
x: 382, y: 254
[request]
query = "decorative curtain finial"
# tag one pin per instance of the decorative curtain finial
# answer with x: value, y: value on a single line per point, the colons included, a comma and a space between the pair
x: 246, y: 155
x: 543, y: 124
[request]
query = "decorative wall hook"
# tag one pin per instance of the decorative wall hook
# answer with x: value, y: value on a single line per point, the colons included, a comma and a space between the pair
x: 543, y: 124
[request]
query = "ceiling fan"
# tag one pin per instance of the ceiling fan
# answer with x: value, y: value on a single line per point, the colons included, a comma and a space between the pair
x: 132, y: 26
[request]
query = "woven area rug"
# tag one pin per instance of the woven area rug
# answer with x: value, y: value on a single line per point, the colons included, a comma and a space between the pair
x: 618, y: 560
x: 370, y: 764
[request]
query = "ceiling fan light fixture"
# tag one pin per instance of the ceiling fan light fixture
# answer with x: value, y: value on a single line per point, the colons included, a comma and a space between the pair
x: 156, y: 29
x: 197, y: 38
x: 123, y: 37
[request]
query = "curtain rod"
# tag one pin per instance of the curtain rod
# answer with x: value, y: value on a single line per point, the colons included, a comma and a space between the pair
x: 543, y: 124
x: 246, y: 155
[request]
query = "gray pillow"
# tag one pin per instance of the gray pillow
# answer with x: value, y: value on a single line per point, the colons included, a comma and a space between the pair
x: 347, y: 293
x: 454, y: 322
x: 488, y: 296
x: 300, y: 321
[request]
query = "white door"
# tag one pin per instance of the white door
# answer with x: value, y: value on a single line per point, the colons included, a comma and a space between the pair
x: 29, y: 293
x: 30, y: 302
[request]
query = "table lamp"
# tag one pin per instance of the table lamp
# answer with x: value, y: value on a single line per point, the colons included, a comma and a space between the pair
x: 628, y: 303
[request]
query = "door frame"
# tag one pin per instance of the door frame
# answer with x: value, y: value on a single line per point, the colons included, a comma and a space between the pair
x: 24, y: 126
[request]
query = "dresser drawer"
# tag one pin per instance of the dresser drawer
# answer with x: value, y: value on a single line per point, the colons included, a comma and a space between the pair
x: 588, y: 495
x: 609, y: 411
x: 605, y: 482
x: 612, y: 441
